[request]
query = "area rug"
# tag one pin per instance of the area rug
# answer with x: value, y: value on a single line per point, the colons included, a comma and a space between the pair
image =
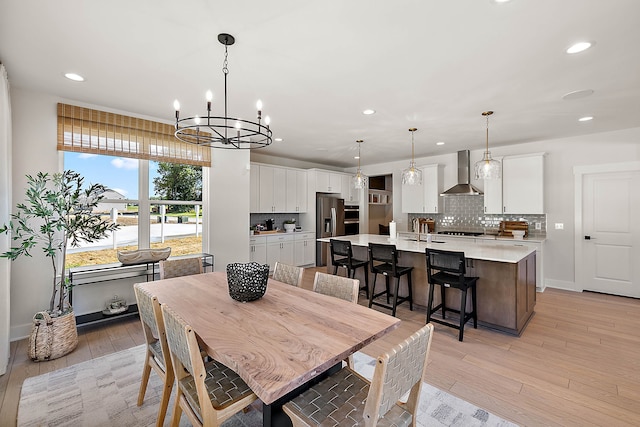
x: 103, y: 392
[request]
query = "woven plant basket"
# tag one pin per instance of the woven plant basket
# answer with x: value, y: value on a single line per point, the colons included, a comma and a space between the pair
x: 52, y: 337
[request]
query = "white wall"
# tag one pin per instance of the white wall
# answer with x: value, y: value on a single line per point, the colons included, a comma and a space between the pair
x: 34, y: 150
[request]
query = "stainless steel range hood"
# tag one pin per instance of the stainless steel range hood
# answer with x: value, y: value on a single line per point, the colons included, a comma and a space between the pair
x: 464, y: 187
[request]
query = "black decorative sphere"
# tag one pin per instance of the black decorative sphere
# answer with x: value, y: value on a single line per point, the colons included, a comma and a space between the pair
x: 247, y: 282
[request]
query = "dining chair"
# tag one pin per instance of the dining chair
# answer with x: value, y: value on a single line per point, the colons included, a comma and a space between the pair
x: 157, y: 352
x: 346, y: 398
x: 208, y: 393
x: 289, y: 274
x: 448, y: 269
x: 342, y: 256
x: 339, y: 287
x: 180, y: 267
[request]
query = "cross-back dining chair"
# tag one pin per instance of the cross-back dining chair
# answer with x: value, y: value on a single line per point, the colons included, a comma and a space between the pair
x: 208, y: 393
x: 157, y: 352
x: 346, y: 398
x: 180, y: 267
x: 288, y: 274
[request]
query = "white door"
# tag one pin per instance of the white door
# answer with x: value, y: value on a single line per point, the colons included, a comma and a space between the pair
x: 611, y: 233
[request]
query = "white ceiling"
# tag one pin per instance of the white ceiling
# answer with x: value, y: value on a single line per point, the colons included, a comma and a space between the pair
x: 434, y: 65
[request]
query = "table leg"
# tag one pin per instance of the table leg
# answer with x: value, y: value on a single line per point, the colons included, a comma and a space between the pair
x: 274, y: 416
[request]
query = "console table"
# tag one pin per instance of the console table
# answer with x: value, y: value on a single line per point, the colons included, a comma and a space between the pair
x: 92, y: 274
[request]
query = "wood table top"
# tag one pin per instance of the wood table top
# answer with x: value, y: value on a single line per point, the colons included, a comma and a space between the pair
x: 278, y: 342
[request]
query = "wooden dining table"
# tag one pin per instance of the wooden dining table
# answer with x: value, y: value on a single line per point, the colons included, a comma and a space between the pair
x: 279, y: 343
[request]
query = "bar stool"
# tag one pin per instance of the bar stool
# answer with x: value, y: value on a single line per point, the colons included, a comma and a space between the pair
x: 447, y: 269
x: 342, y: 256
x: 387, y: 258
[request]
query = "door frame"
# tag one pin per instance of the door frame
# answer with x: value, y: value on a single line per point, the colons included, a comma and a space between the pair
x: 578, y: 173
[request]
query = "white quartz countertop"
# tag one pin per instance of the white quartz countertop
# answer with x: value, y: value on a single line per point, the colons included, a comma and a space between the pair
x: 473, y: 250
x: 491, y: 237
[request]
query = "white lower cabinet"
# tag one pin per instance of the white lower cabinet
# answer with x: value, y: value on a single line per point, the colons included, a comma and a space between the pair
x: 258, y: 249
x: 304, y: 249
x: 280, y: 249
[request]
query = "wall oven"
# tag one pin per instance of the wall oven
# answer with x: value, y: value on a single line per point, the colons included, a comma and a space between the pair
x: 351, y: 220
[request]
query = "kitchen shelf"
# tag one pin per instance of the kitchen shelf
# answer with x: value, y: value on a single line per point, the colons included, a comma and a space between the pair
x: 380, y: 197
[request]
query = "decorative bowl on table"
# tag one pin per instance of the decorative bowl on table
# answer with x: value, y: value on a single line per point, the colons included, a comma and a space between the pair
x: 142, y: 256
x: 247, y: 281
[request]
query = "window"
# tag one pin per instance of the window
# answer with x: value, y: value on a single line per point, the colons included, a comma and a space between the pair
x: 154, y: 181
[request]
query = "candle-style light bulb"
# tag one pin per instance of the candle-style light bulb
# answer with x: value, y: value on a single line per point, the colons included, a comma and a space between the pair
x: 209, y: 96
x: 267, y: 121
x: 238, y: 127
x: 259, y: 108
x: 176, y: 106
x: 196, y: 119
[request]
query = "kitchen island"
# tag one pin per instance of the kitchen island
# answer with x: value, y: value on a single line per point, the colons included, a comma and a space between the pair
x: 506, y: 290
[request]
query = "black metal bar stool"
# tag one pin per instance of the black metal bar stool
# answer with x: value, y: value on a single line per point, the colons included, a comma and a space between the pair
x: 448, y: 269
x: 342, y: 256
x: 384, y: 260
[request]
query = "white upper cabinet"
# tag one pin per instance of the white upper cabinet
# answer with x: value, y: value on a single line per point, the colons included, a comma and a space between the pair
x: 272, y: 184
x: 424, y: 198
x: 432, y: 178
x: 493, y: 194
x: 254, y: 188
x: 296, y: 190
x: 523, y: 184
x: 277, y: 189
x: 328, y: 182
x: 350, y: 194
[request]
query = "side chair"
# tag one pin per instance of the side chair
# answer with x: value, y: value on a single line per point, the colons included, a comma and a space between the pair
x: 346, y: 398
x: 208, y: 393
x: 339, y: 287
x: 157, y: 352
x: 289, y: 274
x: 180, y: 267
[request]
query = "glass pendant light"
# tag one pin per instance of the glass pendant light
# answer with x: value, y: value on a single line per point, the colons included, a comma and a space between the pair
x: 359, y: 179
x: 488, y: 168
x: 412, y: 175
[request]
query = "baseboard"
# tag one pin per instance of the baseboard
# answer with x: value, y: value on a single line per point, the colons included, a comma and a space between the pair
x: 561, y: 284
x: 20, y: 332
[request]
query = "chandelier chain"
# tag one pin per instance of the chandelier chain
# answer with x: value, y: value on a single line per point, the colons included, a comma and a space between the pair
x: 225, y: 63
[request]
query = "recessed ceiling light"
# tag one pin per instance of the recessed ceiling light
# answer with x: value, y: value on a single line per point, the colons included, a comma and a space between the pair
x: 278, y: 139
x: 356, y: 157
x: 368, y: 112
x: 75, y: 77
x: 440, y: 143
x: 579, y: 47
x: 501, y: 1
x: 585, y: 118
x: 577, y: 94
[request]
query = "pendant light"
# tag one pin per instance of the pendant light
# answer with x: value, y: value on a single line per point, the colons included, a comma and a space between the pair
x: 359, y: 179
x: 412, y: 175
x: 488, y: 168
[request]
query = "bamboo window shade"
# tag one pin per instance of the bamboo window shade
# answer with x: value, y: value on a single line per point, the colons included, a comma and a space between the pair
x: 85, y: 130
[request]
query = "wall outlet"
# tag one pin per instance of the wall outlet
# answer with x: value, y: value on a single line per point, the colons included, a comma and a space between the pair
x: 538, y: 226
x: 559, y: 226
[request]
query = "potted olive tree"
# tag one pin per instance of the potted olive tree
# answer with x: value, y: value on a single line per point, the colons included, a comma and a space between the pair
x: 57, y: 212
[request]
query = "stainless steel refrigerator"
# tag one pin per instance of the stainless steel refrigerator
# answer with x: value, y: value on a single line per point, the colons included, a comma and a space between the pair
x: 329, y: 223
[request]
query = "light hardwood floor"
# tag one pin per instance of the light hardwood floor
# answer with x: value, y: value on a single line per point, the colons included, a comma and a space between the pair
x: 576, y: 364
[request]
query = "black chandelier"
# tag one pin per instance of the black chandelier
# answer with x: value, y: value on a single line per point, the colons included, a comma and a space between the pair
x: 223, y: 131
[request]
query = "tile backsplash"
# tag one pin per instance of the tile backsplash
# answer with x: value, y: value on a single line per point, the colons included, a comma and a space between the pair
x: 466, y: 213
x: 278, y: 218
